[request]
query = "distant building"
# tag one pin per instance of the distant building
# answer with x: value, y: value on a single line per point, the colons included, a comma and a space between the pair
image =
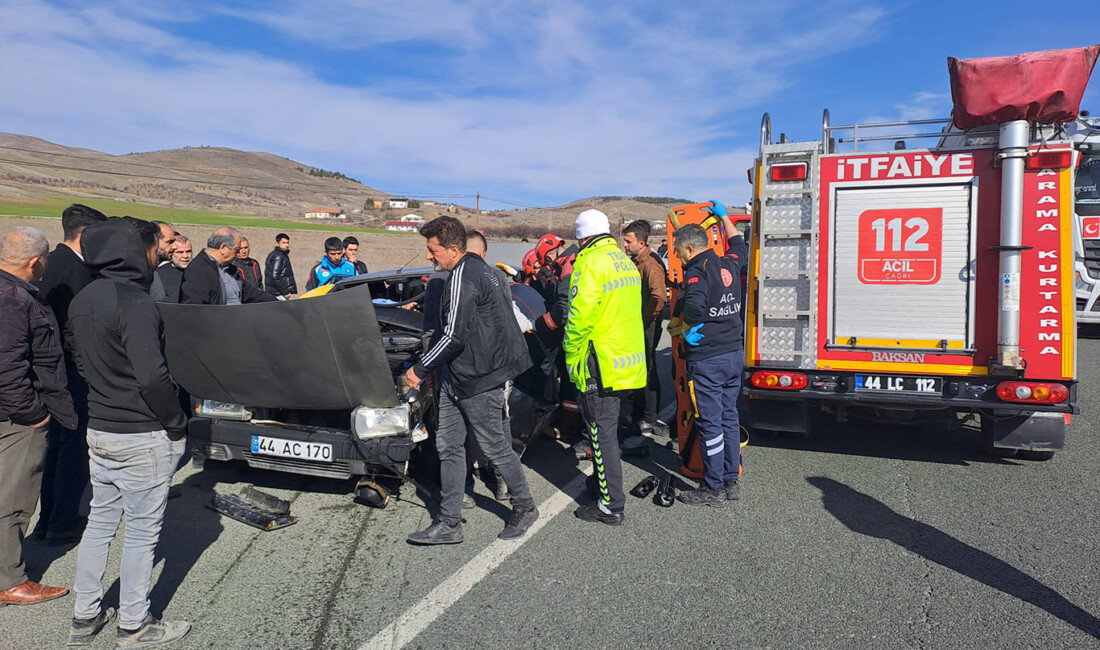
x: 377, y: 203
x: 412, y: 218
x: 402, y: 226
x: 427, y: 203
x: 658, y: 226
x: 325, y: 213
x: 399, y: 204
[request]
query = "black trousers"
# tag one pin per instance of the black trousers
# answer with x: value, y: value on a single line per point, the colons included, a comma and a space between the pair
x: 646, y: 400
x: 601, y: 424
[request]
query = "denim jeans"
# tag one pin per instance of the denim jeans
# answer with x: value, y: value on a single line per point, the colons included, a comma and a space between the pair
x: 131, y: 474
x: 714, y: 384
x: 483, y: 416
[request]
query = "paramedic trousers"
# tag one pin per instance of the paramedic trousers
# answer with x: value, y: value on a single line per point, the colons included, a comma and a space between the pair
x: 22, y: 452
x: 131, y: 474
x: 714, y: 384
x: 483, y: 416
x: 601, y: 427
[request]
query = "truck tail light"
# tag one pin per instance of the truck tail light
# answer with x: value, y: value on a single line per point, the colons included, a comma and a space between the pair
x: 779, y: 380
x: 1060, y: 159
x: 789, y: 172
x: 1032, y: 393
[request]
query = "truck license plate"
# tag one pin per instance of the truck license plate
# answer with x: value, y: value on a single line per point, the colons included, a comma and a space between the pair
x: 321, y: 451
x: 889, y: 384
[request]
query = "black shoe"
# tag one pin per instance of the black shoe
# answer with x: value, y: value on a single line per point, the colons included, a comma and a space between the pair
x: 152, y: 634
x: 592, y: 512
x: 437, y: 533
x: 84, y: 629
x: 732, y: 490
x: 703, y: 496
x: 518, y: 523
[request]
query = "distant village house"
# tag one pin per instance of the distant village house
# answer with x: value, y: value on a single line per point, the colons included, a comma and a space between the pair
x: 402, y: 226
x: 399, y: 204
x: 325, y: 213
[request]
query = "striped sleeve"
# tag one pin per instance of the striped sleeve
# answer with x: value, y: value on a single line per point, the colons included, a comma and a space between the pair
x: 457, y: 307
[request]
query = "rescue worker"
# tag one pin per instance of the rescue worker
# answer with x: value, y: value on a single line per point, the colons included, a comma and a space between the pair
x: 604, y: 353
x: 708, y: 316
x: 555, y: 265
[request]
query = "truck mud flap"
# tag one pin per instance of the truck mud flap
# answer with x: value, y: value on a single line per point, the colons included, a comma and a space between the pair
x: 776, y: 415
x: 1027, y: 431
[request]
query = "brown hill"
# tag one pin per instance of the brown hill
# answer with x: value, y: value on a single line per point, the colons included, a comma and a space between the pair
x: 208, y: 178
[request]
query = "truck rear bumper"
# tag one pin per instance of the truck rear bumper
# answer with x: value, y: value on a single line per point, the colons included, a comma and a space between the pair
x: 963, y: 394
x: 226, y: 440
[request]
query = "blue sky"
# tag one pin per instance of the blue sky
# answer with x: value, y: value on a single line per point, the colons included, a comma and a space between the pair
x: 536, y: 103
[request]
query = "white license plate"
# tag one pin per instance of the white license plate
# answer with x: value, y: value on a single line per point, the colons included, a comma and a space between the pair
x: 320, y: 451
x: 904, y: 384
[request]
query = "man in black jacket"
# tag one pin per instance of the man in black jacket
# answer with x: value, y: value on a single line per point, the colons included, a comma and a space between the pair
x: 135, y: 428
x: 277, y: 269
x: 351, y: 254
x: 168, y: 277
x: 65, y: 473
x: 480, y: 349
x: 32, y: 393
x: 211, y: 278
x: 250, y: 268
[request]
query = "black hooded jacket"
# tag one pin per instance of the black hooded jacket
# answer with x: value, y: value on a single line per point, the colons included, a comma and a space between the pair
x: 117, y: 337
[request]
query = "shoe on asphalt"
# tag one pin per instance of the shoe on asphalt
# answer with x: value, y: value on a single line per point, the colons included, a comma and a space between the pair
x: 84, y: 630
x: 468, y: 501
x: 437, y: 533
x: 732, y: 490
x: 704, y: 496
x: 593, y: 512
x: 582, y: 450
x: 30, y: 593
x: 633, y: 442
x: 518, y: 523
x: 152, y: 634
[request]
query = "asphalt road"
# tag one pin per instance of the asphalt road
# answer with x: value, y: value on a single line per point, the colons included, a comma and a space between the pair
x: 862, y: 536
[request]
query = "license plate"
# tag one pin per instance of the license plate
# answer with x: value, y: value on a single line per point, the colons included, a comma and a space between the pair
x: 890, y: 384
x: 320, y: 451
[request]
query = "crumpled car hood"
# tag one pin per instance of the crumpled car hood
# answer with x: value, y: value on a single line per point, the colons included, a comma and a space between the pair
x: 319, y: 353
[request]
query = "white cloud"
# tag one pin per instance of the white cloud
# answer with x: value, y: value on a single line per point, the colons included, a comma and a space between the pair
x: 571, y: 99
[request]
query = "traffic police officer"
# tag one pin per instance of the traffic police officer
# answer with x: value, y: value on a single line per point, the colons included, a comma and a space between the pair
x: 710, y: 321
x: 604, y: 352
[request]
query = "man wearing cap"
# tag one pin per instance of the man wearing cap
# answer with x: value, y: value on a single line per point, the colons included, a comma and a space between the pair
x: 604, y: 353
x: 709, y: 318
x: 332, y: 268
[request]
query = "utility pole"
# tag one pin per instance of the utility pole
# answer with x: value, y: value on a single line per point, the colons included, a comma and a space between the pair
x: 477, y: 219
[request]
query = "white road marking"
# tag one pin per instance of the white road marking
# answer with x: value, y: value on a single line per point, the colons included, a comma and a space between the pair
x: 418, y: 617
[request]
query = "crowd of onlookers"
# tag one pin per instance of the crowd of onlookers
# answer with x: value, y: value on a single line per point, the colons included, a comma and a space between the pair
x: 86, y: 396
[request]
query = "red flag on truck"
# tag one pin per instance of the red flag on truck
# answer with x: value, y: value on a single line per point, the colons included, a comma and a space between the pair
x: 1037, y: 86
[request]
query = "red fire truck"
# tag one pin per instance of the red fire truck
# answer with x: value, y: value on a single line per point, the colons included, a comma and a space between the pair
x: 910, y: 284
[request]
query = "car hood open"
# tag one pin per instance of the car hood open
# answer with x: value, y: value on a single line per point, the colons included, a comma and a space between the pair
x: 319, y: 353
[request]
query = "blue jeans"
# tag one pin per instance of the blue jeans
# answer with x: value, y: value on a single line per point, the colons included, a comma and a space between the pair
x: 131, y: 474
x: 714, y: 384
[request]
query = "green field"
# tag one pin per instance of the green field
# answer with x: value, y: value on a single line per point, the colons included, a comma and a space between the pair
x: 52, y: 206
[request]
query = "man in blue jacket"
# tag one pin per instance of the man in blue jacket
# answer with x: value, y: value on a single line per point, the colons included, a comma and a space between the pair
x: 709, y: 317
x: 332, y: 268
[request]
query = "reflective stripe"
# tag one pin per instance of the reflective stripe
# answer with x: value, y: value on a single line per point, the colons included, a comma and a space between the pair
x: 713, y: 441
x: 628, y: 361
x: 717, y: 450
x: 691, y: 390
x: 549, y: 321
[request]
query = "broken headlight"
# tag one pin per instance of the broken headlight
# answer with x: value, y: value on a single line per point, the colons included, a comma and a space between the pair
x: 378, y: 422
x: 210, y: 409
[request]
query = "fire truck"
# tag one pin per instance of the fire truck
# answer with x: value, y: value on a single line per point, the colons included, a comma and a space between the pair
x: 906, y: 284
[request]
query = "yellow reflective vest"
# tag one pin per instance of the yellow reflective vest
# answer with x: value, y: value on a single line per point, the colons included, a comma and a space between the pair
x: 605, y: 318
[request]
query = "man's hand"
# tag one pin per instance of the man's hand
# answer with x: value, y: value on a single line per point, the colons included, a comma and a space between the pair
x: 42, y: 423
x: 412, y: 379
x: 694, y: 336
x: 717, y: 209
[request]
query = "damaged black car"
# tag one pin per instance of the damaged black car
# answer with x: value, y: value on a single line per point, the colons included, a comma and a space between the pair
x: 315, y: 386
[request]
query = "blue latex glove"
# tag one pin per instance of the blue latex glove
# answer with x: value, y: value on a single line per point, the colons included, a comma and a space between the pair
x: 693, y: 335
x: 718, y: 209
